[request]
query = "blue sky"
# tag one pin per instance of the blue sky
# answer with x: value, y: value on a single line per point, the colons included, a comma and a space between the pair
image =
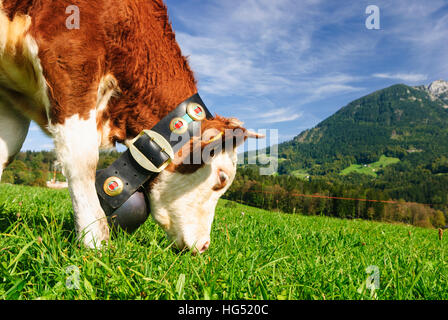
x: 289, y: 64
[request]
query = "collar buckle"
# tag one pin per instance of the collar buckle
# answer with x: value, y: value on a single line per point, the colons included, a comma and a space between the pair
x: 151, y: 151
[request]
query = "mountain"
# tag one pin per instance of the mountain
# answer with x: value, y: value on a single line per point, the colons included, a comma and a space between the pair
x: 383, y: 156
x: 437, y: 90
x: 404, y: 122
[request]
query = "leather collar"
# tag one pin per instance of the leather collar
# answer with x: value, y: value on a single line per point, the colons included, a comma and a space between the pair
x: 148, y: 154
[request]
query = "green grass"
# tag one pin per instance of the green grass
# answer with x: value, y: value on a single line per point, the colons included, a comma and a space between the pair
x: 372, y: 168
x: 301, y: 174
x: 258, y: 255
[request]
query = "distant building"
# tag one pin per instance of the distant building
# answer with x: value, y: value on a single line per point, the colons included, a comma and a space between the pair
x: 57, y: 184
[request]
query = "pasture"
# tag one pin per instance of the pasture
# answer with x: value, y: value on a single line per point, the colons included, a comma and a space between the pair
x: 372, y: 168
x: 254, y: 254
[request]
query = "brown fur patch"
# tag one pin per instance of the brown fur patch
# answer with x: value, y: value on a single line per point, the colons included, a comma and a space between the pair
x: 15, y: 7
x: 132, y: 40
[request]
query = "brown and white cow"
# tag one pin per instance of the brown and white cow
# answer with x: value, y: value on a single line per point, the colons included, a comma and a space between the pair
x: 89, y: 88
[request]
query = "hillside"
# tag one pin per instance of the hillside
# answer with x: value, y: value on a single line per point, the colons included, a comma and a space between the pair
x: 409, y: 123
x: 389, y: 145
x: 255, y: 254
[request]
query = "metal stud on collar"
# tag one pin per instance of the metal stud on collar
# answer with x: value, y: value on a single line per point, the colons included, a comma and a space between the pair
x: 195, y: 111
x: 178, y: 126
x: 113, y: 186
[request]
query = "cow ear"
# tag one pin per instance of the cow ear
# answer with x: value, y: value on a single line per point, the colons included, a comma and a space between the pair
x: 229, y: 132
x: 240, y: 135
x: 237, y: 124
x: 254, y: 135
x: 235, y: 137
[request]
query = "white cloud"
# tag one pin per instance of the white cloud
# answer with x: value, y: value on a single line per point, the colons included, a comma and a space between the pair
x: 422, y: 28
x: 262, y: 47
x: 407, y: 77
x: 285, y: 118
x: 334, y: 88
x: 269, y: 114
x: 278, y: 115
x: 224, y: 67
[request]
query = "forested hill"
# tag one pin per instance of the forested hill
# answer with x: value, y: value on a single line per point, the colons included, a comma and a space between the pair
x: 409, y: 123
x: 389, y: 145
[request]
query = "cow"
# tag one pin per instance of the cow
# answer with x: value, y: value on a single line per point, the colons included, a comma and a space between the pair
x: 119, y: 72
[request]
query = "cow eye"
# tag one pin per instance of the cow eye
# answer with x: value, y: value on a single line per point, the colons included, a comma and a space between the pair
x: 223, y: 179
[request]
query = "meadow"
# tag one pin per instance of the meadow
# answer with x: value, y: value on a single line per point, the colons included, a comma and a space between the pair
x: 372, y: 168
x: 254, y: 254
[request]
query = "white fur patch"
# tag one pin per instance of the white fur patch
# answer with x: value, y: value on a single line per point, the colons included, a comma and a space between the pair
x: 107, y: 88
x: 104, y: 132
x: 184, y: 204
x: 18, y: 77
x: 13, y: 131
x: 77, y: 149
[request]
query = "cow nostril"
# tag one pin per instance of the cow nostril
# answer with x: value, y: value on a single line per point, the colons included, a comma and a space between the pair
x: 204, y: 247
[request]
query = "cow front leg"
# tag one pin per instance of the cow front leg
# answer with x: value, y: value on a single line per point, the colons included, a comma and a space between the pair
x: 76, y: 143
x: 13, y: 130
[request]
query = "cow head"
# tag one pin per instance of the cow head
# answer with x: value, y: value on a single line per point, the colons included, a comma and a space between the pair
x: 184, y: 196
